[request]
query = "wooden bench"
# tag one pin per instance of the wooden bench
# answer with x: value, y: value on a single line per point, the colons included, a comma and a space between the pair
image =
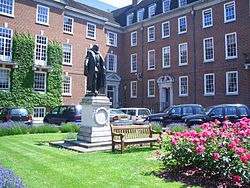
x: 133, y: 134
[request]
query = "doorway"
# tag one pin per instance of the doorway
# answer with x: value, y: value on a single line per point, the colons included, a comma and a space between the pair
x: 111, y: 94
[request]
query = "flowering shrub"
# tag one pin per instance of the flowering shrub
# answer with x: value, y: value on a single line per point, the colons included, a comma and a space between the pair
x: 8, y: 179
x: 220, y: 148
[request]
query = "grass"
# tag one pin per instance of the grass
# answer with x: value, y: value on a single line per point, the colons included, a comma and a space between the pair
x: 40, y: 165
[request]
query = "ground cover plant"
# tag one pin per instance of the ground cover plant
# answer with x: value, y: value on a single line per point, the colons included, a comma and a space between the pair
x: 221, y: 151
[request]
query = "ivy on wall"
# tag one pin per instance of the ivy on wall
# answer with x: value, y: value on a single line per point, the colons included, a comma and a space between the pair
x: 22, y: 78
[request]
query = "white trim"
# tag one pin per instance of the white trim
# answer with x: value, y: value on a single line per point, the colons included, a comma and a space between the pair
x: 138, y: 13
x: 226, y: 46
x: 41, y: 62
x: 45, y: 81
x: 87, y: 30
x: 39, y: 22
x: 231, y: 20
x: 150, y: 7
x: 131, y: 90
x: 203, y: 18
x: 180, y: 94
x: 152, y: 81
x: 164, y: 1
x: 128, y: 18
x: 131, y: 63
x: 4, y: 57
x: 10, y: 15
x: 149, y: 59
x: 131, y: 39
x: 163, y: 50
x: 7, y: 89
x: 70, y: 86
x: 204, y: 50
x: 181, y: 32
x: 237, y: 82
x: 179, y: 3
x: 115, y: 39
x: 71, y: 54
x: 67, y: 32
x: 108, y: 62
x: 179, y: 54
x: 205, y: 89
x: 149, y: 28
x: 162, y: 29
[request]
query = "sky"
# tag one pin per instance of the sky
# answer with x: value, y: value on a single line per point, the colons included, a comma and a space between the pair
x: 118, y: 3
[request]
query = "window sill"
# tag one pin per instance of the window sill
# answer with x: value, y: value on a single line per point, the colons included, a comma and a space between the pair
x: 90, y: 38
x: 229, y: 21
x: 182, y: 65
x: 165, y: 37
x: 68, y: 64
x: 209, y: 61
x: 41, y: 23
x: 68, y: 33
x: 8, y: 15
x: 206, y: 27
x: 232, y: 58
x: 183, y: 95
x: 67, y: 95
x: 209, y: 95
x: 232, y: 94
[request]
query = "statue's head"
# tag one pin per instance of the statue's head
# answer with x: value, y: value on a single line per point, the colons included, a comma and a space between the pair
x: 95, y: 47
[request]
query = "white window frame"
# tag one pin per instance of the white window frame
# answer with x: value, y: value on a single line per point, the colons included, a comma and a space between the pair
x: 67, y: 27
x: 205, y: 85
x: 109, y: 34
x: 130, y: 17
x: 163, y: 29
x: 210, y: 10
x: 69, y: 86
x: 108, y: 62
x: 139, y: 14
x: 40, y: 22
x: 151, y: 8
x: 64, y: 62
x: 164, y: 6
x: 131, y: 63
x: 41, y: 113
x: 132, y: 35
x: 227, y: 83
x: 151, y: 39
x: 180, y: 3
x: 151, y: 81
x: 131, y: 89
x: 149, y: 68
x: 12, y: 10
x: 204, y: 50
x: 40, y: 61
x: 226, y: 46
x: 179, y: 25
x: 180, y: 55
x: 8, y: 79
x: 180, y: 85
x: 166, y: 49
x: 225, y: 16
x: 6, y: 41
x: 45, y: 82
x: 88, y: 32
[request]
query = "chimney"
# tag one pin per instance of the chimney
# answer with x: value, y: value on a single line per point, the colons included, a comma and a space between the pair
x: 135, y: 2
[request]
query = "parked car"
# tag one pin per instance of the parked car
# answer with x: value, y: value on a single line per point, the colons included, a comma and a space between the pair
x: 174, y: 114
x: 64, y: 114
x: 234, y: 112
x: 137, y: 115
x: 118, y: 117
x: 16, y: 115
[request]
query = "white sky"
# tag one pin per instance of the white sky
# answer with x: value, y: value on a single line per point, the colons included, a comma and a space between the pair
x: 118, y: 3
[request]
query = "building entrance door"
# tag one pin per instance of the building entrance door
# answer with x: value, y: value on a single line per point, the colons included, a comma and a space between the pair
x: 111, y: 94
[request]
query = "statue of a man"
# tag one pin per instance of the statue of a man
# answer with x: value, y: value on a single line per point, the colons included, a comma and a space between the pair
x: 94, y: 70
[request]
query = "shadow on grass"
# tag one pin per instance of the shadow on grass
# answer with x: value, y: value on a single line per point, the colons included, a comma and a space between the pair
x: 134, y: 149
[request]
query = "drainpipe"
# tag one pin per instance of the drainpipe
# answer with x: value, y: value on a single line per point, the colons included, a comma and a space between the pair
x: 142, y: 59
x: 194, y: 47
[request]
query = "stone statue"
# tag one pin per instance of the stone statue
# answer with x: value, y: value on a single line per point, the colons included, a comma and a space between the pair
x: 94, y: 70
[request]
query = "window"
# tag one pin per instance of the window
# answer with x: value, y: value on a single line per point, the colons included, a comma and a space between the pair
x: 166, y: 5
x: 112, y: 39
x: 42, y: 15
x: 166, y: 57
x: 91, y: 31
x: 182, y: 25
x: 7, y: 7
x: 232, y: 83
x: 67, y: 83
x: 209, y: 84
x: 183, y: 54
x: 183, y: 86
x: 208, y: 49
x: 229, y: 12
x: 151, y: 59
x: 231, y: 45
x: 111, y: 62
x: 133, y: 62
x: 151, y: 34
x: 130, y: 18
x: 140, y: 14
x: 133, y: 89
x: 165, y: 29
x: 67, y: 54
x: 187, y: 110
x: 39, y: 113
x: 4, y: 79
x: 182, y: 3
x: 68, y: 25
x: 133, y: 41
x: 217, y: 112
x: 207, y: 18
x: 151, y: 88
x: 5, y: 44
x: 151, y: 10
x: 40, y: 82
x: 230, y: 111
x: 41, y: 50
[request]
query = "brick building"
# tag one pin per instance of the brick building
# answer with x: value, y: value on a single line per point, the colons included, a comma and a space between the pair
x: 158, y: 52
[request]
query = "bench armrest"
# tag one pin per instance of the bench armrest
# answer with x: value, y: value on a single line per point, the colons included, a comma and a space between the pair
x: 118, y: 134
x: 156, y: 132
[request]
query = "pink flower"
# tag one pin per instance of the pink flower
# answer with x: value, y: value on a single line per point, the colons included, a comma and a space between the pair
x: 236, y: 179
x: 200, y: 149
x: 231, y: 145
x: 244, y: 158
x: 217, y: 121
x: 216, y: 156
x: 168, y: 131
x: 240, y: 151
x: 158, y: 139
x: 157, y: 152
x: 173, y: 141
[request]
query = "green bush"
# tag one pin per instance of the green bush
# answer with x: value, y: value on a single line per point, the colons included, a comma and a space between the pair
x: 44, y: 129
x: 65, y: 128
x: 157, y: 127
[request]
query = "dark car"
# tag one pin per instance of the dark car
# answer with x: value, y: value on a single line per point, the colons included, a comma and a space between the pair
x: 232, y: 112
x: 64, y: 114
x: 174, y: 114
x: 16, y: 115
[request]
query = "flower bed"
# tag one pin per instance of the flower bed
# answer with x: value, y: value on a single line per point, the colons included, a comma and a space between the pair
x: 221, y: 149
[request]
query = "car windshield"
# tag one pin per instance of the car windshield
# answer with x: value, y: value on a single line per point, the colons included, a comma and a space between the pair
x: 19, y: 111
x: 116, y: 112
x: 208, y: 110
x: 167, y: 110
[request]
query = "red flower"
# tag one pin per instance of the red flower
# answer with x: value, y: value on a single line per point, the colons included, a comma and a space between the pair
x: 244, y: 158
x: 216, y: 156
x: 236, y: 179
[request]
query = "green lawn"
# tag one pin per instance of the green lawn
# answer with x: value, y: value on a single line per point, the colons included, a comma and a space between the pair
x: 40, y: 165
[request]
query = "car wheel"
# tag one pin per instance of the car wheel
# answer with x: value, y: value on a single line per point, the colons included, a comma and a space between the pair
x: 156, y: 123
